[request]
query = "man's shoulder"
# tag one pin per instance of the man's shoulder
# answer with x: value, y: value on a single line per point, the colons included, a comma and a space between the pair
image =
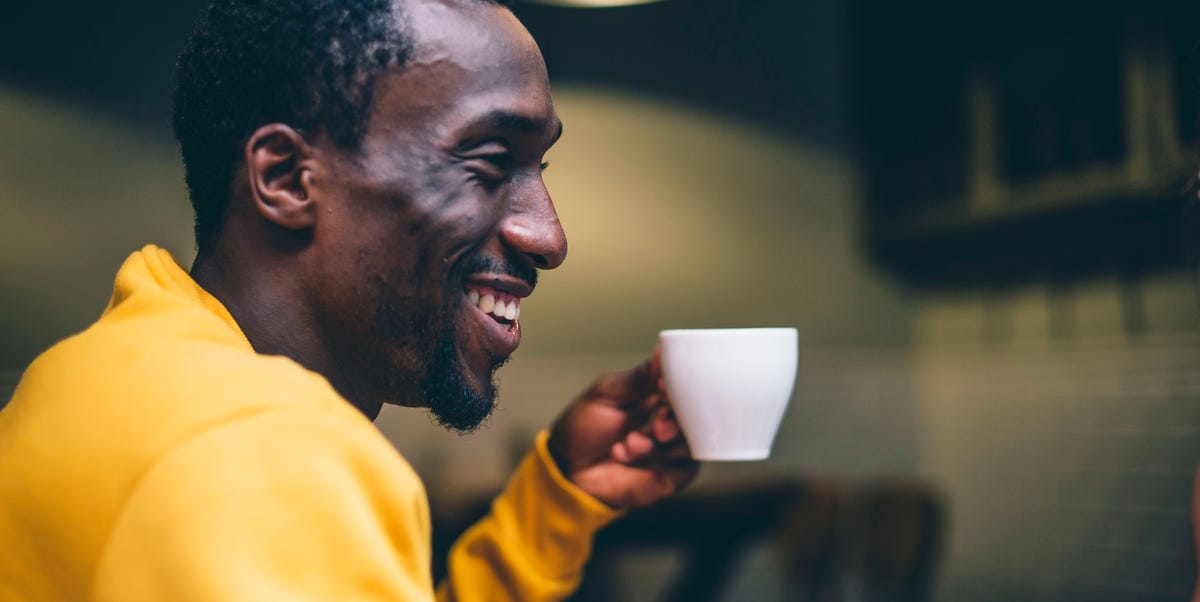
x: 127, y: 399
x: 166, y: 376
x: 95, y: 413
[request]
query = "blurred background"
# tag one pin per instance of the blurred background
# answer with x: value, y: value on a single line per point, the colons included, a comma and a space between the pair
x: 972, y: 212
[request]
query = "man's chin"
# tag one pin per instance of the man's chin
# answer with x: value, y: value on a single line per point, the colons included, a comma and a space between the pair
x: 469, y: 412
x: 459, y: 402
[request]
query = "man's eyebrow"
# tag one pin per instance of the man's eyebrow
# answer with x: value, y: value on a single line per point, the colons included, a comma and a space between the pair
x: 508, y: 120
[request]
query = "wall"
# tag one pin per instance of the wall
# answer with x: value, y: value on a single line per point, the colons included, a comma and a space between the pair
x: 1060, y: 422
x: 78, y: 193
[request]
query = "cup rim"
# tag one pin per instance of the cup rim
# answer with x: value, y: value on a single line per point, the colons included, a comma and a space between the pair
x: 709, y: 332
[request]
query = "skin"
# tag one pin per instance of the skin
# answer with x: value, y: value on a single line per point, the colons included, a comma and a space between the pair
x: 355, y: 263
x: 1196, y: 530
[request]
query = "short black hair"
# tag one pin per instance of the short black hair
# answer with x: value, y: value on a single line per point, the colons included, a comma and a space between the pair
x: 311, y: 64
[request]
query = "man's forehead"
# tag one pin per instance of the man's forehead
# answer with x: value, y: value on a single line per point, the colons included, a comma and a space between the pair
x: 468, y: 30
x: 473, y: 59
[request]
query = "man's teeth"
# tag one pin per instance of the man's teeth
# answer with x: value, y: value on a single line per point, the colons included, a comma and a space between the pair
x: 489, y: 304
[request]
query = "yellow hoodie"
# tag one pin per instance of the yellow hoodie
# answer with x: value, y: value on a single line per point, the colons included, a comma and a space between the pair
x: 156, y: 456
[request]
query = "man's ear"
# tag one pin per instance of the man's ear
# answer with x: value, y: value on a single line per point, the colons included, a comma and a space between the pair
x: 277, y: 165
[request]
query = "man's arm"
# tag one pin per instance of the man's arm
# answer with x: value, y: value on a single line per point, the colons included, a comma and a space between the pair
x: 615, y: 448
x: 534, y: 542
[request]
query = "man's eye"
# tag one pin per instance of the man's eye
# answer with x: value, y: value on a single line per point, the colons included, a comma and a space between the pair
x: 492, y: 167
x: 502, y: 161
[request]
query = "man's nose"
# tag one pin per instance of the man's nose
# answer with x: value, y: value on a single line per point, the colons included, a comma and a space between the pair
x: 532, y: 228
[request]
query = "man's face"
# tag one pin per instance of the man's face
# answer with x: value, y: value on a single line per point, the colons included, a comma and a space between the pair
x: 438, y: 225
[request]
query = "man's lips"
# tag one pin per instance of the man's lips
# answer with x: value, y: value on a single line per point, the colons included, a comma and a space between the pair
x: 496, y: 305
x: 501, y: 283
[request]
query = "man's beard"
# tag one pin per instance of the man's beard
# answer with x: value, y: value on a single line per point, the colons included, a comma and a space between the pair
x: 428, y: 372
x: 428, y: 342
x: 450, y: 399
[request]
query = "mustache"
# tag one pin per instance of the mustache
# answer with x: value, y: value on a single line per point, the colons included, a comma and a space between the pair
x: 489, y: 265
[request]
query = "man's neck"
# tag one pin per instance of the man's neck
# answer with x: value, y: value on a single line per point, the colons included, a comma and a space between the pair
x: 272, y: 314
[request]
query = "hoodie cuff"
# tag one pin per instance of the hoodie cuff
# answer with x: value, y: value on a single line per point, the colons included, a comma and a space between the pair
x: 556, y: 518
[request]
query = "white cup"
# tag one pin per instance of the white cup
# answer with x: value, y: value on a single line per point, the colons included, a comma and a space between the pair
x: 729, y: 387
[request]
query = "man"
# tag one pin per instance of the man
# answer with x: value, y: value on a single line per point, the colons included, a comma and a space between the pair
x: 370, y: 212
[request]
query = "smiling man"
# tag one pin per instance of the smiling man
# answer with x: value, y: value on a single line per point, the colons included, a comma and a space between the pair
x: 370, y: 212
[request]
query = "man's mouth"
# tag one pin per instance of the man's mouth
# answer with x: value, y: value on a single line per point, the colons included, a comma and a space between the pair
x: 495, y: 300
x: 504, y: 308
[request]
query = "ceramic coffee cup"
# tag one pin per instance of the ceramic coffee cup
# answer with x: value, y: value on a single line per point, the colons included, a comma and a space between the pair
x: 729, y: 387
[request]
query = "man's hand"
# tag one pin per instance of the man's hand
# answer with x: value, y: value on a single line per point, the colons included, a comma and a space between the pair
x: 620, y: 443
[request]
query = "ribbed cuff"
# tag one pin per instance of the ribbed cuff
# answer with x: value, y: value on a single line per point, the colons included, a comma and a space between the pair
x: 557, y: 519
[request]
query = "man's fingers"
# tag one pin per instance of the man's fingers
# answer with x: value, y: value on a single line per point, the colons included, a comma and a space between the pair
x: 626, y: 388
x: 677, y: 450
x: 657, y: 439
x: 676, y: 475
x: 638, y: 444
x: 639, y: 450
x: 633, y: 448
x: 663, y: 425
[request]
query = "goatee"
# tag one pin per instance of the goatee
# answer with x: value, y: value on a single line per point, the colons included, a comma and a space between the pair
x: 451, y: 401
